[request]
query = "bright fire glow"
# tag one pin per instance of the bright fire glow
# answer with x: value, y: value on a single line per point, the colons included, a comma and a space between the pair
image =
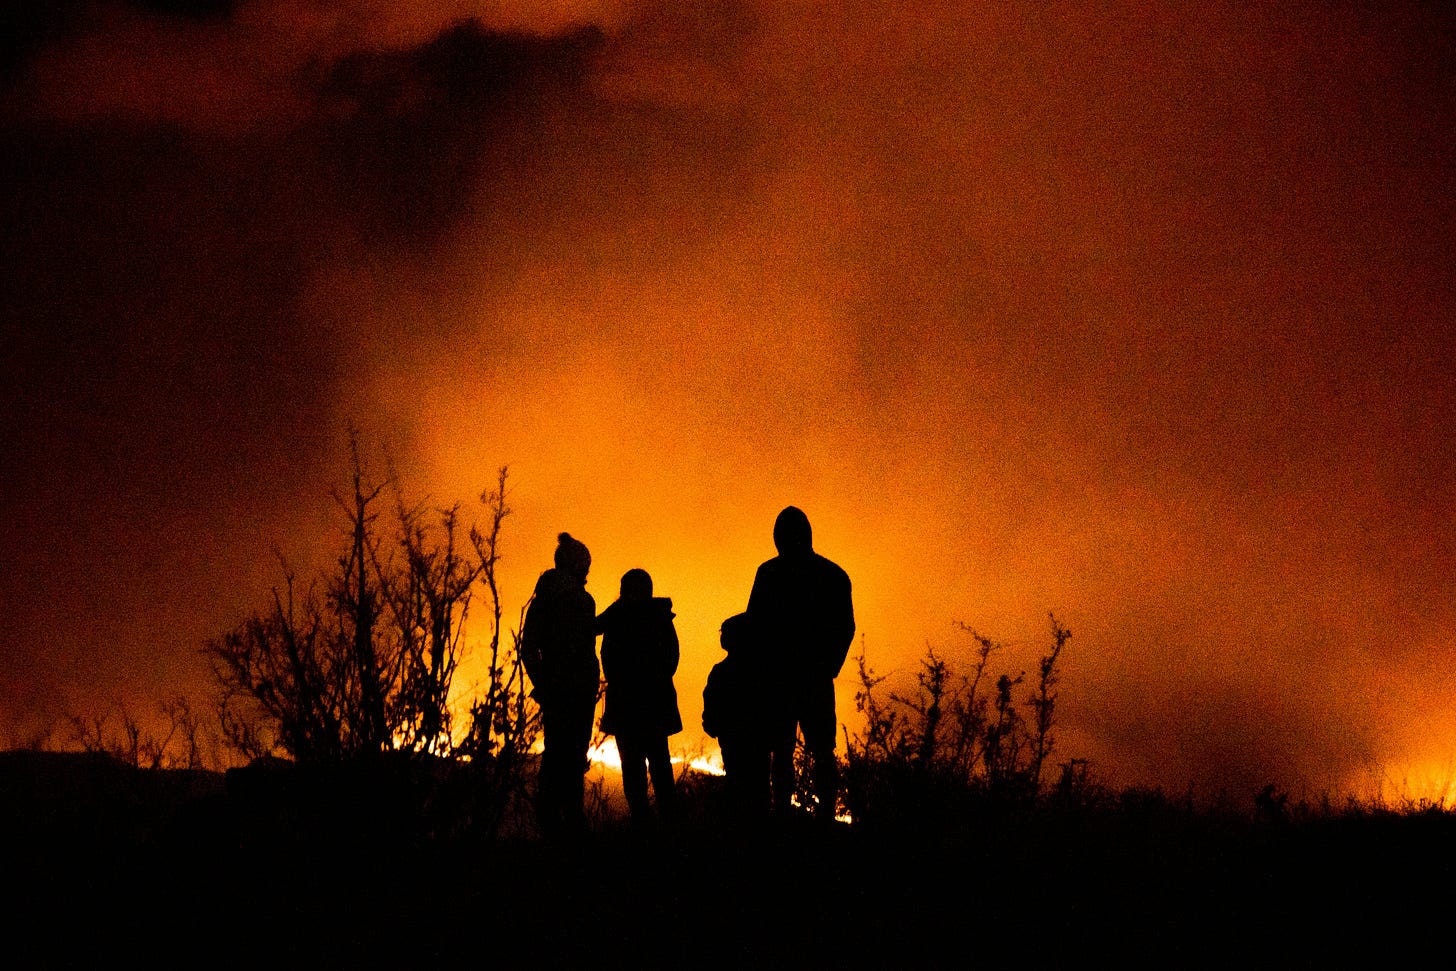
x: 607, y: 756
x: 1426, y: 784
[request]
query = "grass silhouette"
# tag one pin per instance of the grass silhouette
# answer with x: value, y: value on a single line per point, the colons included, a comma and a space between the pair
x: 378, y: 864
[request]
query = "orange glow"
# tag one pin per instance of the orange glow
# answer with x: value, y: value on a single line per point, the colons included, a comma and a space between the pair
x: 1400, y: 785
x: 1140, y: 316
x: 607, y: 756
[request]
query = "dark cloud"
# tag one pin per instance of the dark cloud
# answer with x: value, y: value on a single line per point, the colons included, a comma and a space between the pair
x: 421, y: 129
x: 28, y: 27
x: 204, y: 10
x: 164, y: 373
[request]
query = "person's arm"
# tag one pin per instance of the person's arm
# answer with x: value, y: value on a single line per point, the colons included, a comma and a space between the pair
x: 758, y: 595
x: 673, y: 650
x: 599, y: 629
x: 599, y: 625
x: 844, y: 636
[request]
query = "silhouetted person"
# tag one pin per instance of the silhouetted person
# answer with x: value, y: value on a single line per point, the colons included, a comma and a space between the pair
x: 639, y: 658
x: 558, y: 646
x: 802, y: 609
x: 739, y: 710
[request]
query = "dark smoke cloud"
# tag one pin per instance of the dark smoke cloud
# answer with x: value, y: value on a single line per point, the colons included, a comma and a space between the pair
x: 167, y: 396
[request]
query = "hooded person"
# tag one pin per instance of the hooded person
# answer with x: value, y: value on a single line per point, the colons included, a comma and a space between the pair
x: 639, y: 658
x: 558, y: 647
x: 802, y: 609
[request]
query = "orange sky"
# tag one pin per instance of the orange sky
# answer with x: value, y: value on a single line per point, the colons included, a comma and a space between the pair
x: 1130, y: 312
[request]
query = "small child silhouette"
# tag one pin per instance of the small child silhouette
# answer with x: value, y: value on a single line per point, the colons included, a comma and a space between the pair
x: 734, y: 713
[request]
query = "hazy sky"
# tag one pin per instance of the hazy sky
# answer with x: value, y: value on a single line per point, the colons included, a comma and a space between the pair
x: 1139, y: 312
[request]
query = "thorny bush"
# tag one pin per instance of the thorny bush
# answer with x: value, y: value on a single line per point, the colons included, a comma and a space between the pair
x: 958, y: 737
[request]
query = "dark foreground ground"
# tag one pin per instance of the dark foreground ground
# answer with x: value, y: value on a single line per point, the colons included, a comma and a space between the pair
x: 105, y: 866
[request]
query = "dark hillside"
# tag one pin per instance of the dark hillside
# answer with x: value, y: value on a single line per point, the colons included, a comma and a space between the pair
x: 179, y: 867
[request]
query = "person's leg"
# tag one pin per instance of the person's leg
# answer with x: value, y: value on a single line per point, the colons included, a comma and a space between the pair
x: 664, y: 785
x: 576, y: 733
x: 780, y: 758
x: 548, y: 775
x: 745, y: 763
x: 733, y: 772
x: 782, y: 726
x: 817, y: 720
x: 634, y: 775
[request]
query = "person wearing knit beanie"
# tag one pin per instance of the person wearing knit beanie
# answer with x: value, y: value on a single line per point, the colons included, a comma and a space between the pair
x: 572, y: 556
x: 558, y: 648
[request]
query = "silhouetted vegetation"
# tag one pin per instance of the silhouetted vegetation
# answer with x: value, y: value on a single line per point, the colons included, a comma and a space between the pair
x: 124, y: 738
x: 332, y: 864
x: 358, y: 665
x: 958, y: 737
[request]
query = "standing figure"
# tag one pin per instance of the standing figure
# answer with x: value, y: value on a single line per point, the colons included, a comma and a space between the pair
x: 639, y: 658
x: 802, y: 609
x: 738, y: 709
x: 558, y: 647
